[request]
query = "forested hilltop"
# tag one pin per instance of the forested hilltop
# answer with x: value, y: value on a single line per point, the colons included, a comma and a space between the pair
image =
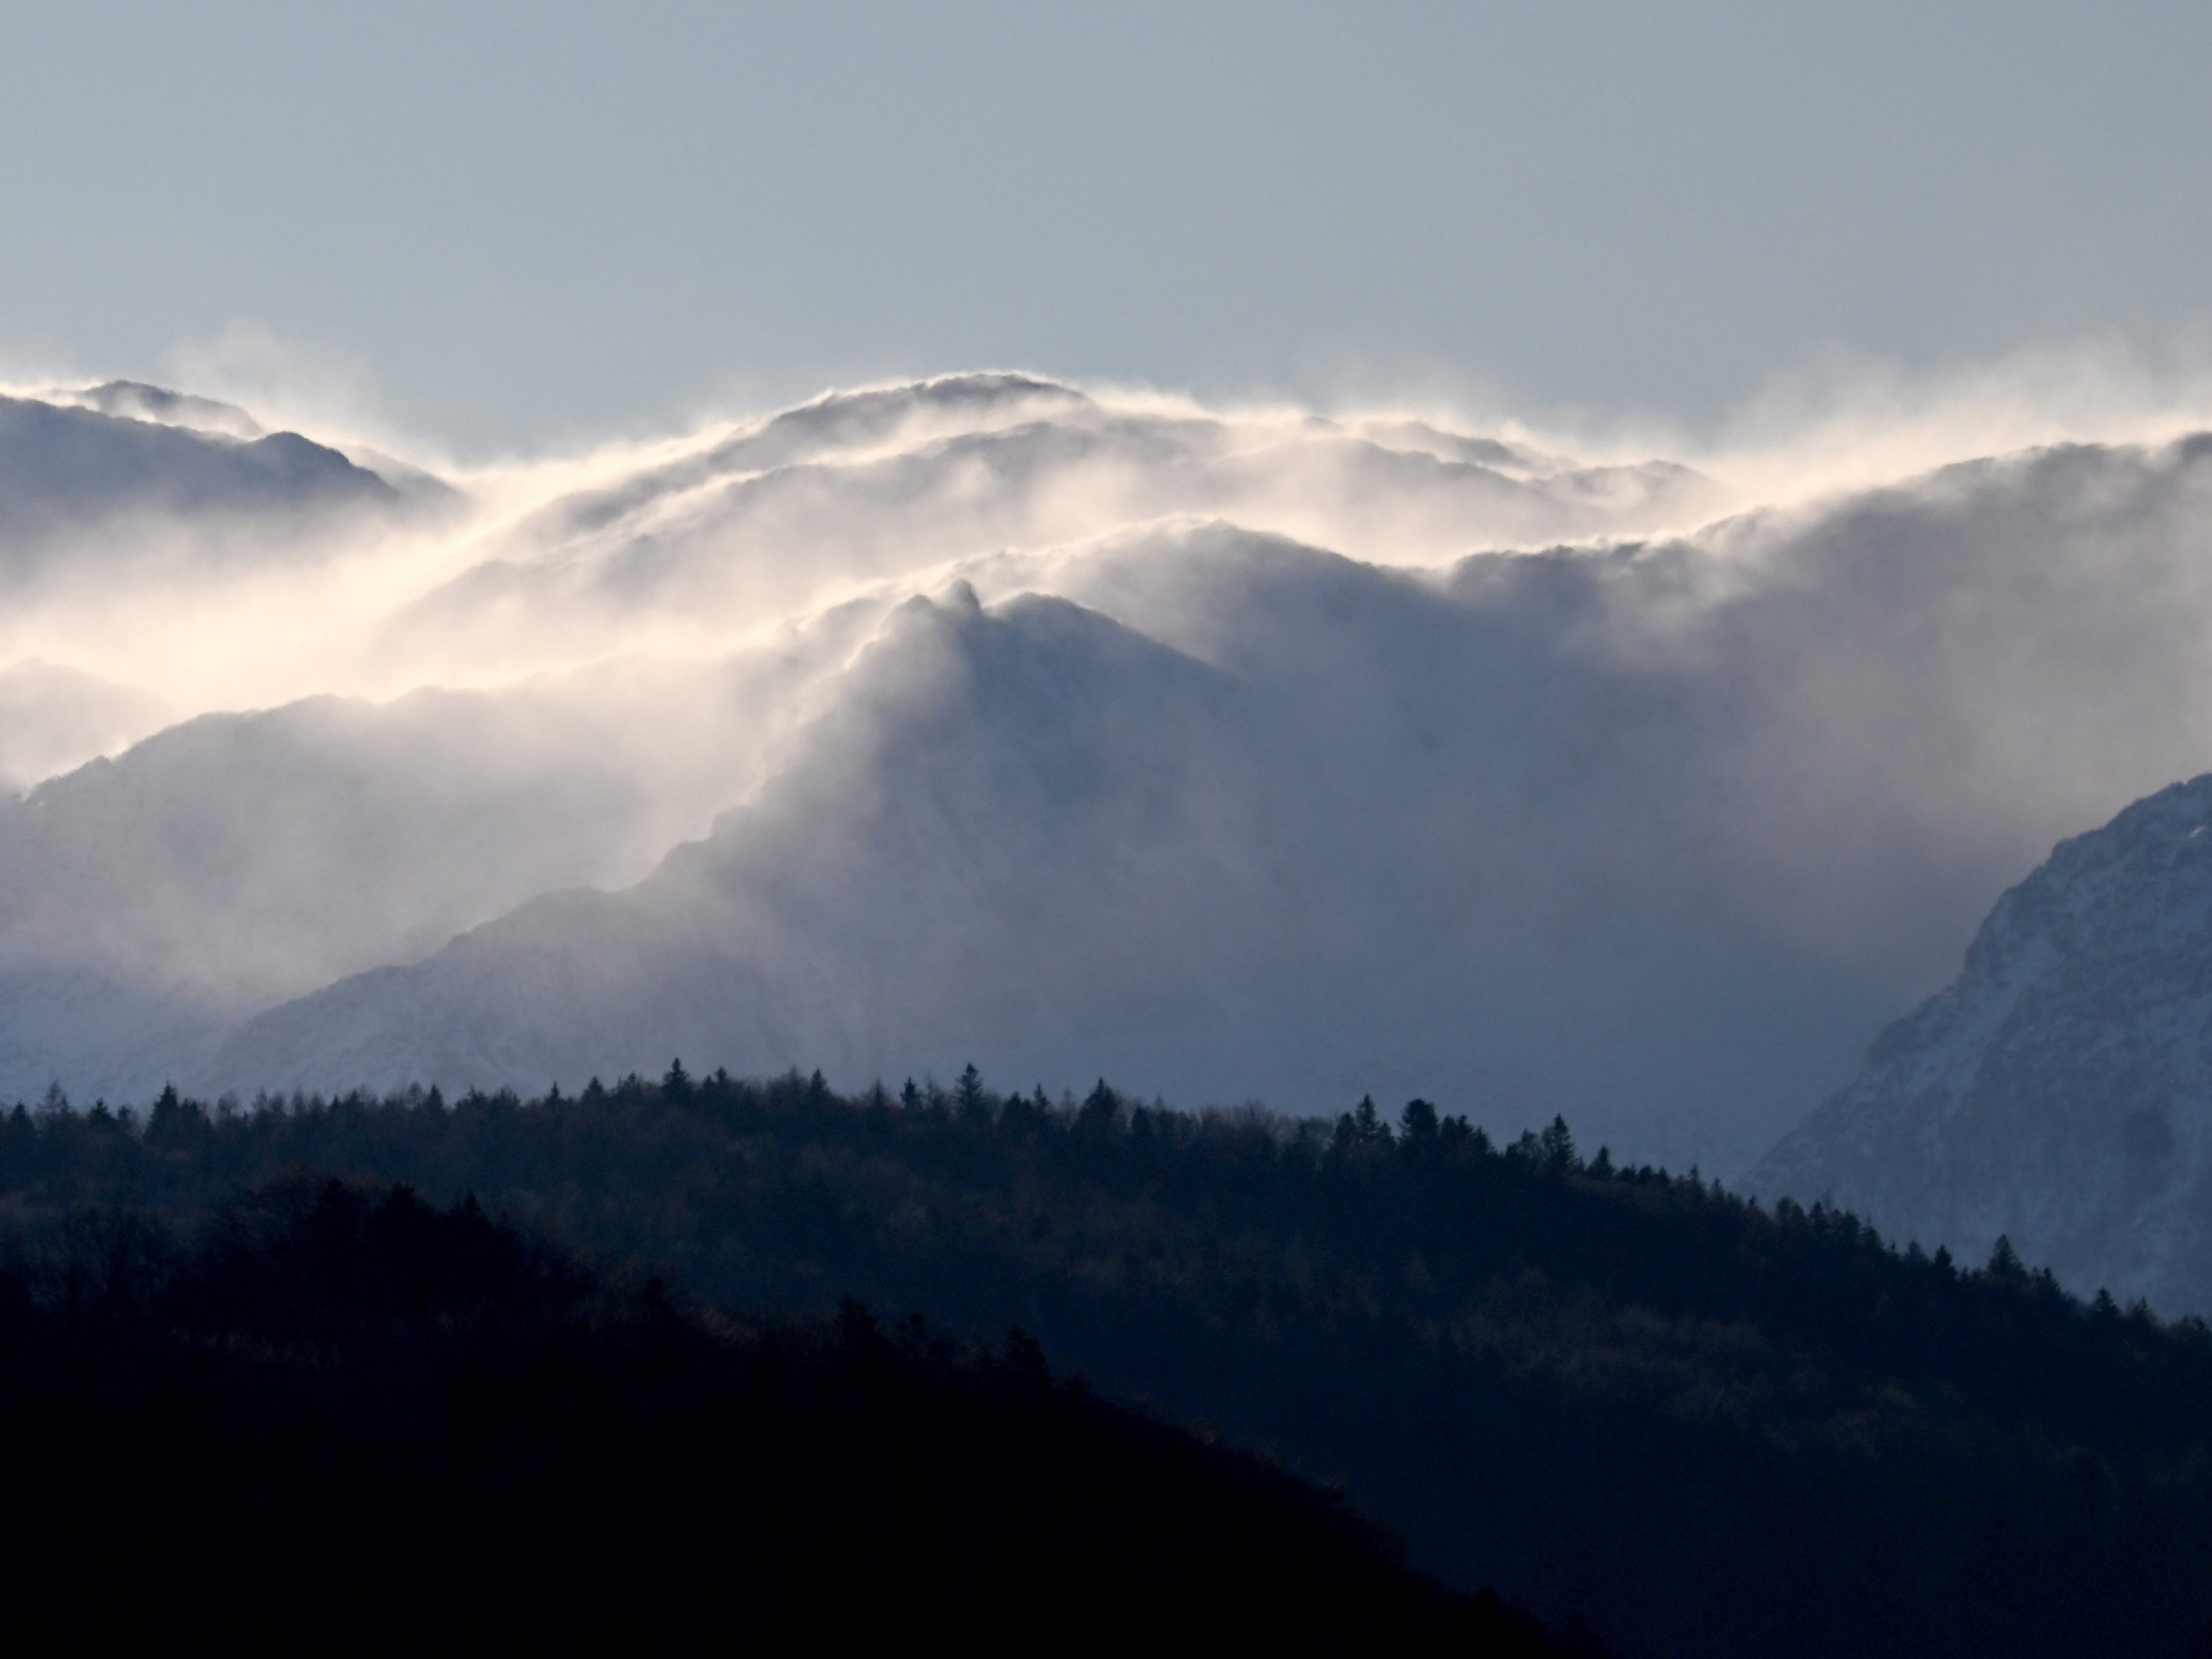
x: 340, y: 1420
x: 1706, y: 1427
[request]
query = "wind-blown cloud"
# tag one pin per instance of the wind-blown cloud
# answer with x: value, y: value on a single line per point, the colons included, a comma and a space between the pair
x: 1229, y: 753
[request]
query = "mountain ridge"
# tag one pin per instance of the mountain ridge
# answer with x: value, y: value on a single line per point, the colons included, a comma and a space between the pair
x: 1380, y: 783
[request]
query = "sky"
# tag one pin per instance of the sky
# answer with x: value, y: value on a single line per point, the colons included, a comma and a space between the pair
x: 501, y: 225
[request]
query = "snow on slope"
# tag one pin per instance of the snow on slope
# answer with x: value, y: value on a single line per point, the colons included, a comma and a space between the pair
x: 1653, y: 834
x: 1227, y: 752
x: 2059, y: 1092
x: 135, y: 400
x: 233, y: 861
x: 821, y: 501
x: 65, y: 471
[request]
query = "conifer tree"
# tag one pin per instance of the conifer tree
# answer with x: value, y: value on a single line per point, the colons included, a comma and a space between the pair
x: 968, y: 1094
x: 1417, y: 1126
x: 1368, y: 1127
x: 1101, y: 1108
x: 1558, y: 1144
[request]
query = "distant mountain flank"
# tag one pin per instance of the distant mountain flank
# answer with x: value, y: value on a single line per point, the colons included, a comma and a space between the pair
x: 60, y: 465
x: 2058, y: 1093
x: 1239, y: 751
x: 1655, y: 834
x: 149, y: 902
x: 121, y: 477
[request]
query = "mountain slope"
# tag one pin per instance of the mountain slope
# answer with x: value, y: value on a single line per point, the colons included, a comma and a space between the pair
x: 2059, y: 1092
x: 64, y: 470
x: 136, y: 400
x: 355, y: 1416
x: 52, y: 719
x: 1044, y: 773
x: 149, y: 902
x: 1654, y: 834
x: 891, y: 484
x: 1276, y: 751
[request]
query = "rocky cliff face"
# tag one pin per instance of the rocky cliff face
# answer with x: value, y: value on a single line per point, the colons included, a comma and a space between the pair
x: 2059, y: 1093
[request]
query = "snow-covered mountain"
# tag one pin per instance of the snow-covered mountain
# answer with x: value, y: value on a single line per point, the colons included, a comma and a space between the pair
x: 1227, y: 752
x: 135, y: 400
x: 856, y: 490
x: 235, y: 859
x: 2059, y: 1092
x: 1654, y: 834
x: 97, y: 474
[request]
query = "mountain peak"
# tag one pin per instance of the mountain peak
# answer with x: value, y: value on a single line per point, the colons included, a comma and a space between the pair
x: 136, y: 400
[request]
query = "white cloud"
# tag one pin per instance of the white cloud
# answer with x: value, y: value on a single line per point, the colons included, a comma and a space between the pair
x: 1260, y: 769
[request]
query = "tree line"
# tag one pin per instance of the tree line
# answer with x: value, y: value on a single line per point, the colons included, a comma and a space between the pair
x: 1709, y: 1426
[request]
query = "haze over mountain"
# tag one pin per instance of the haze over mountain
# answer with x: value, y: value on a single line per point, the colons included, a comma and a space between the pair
x: 1228, y: 752
x: 91, y: 471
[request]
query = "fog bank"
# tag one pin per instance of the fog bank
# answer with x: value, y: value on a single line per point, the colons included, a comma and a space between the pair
x: 1228, y: 752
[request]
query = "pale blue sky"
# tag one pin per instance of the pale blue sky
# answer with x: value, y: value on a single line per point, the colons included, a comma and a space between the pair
x: 528, y: 221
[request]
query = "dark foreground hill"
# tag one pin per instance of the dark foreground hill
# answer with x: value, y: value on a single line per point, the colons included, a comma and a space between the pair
x: 1709, y: 1428
x: 340, y: 1420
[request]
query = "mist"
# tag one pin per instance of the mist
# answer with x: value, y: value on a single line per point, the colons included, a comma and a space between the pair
x: 1230, y: 751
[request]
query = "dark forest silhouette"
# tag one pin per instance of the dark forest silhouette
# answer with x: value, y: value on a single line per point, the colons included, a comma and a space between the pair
x: 343, y: 1420
x: 1710, y: 1428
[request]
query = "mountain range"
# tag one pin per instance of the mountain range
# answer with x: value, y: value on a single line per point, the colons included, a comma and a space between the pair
x: 1232, y: 752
